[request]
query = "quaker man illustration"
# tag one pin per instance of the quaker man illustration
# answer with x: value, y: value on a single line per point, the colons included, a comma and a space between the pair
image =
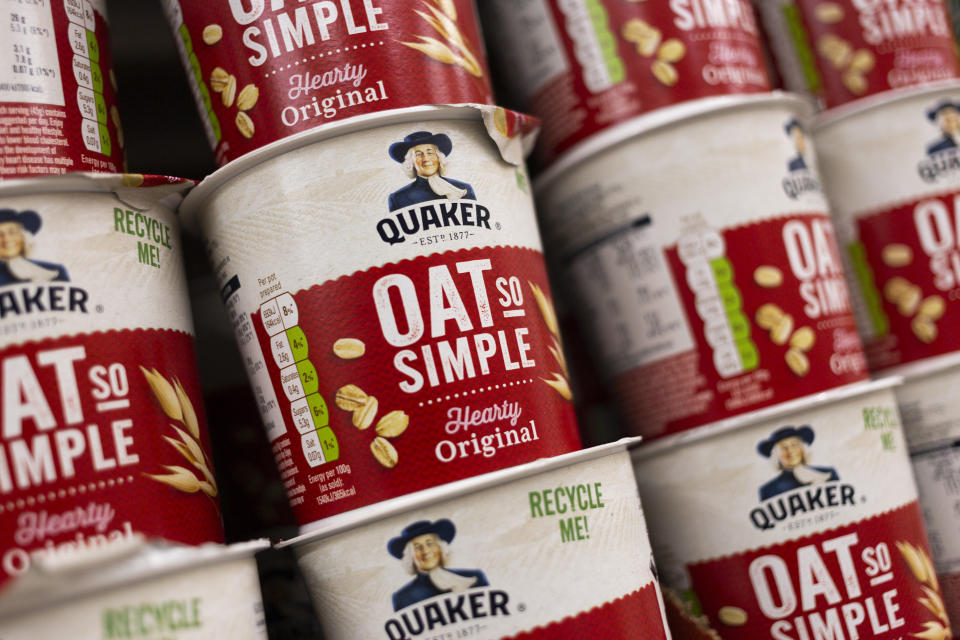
x: 17, y: 230
x: 946, y: 115
x: 790, y: 446
x: 795, y: 130
x: 423, y: 156
x: 423, y: 548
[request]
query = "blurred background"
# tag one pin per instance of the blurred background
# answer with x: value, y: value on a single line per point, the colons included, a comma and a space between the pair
x: 161, y: 128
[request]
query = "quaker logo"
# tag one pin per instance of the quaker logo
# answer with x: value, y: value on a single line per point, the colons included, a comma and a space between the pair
x: 943, y: 154
x: 799, y: 488
x: 17, y: 232
x: 433, y: 200
x: 800, y: 179
x: 423, y: 548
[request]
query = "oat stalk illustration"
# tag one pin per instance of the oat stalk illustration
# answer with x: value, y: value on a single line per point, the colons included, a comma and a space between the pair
x: 451, y: 47
x: 560, y: 382
x: 176, y: 405
x: 921, y: 567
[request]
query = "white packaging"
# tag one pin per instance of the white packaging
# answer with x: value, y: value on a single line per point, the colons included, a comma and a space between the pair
x: 891, y: 168
x: 552, y: 549
x: 931, y: 420
x: 368, y: 283
x: 209, y: 592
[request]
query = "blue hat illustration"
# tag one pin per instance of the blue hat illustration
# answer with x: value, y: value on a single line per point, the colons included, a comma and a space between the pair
x: 443, y: 528
x: 398, y: 150
x: 29, y: 220
x: 791, y: 123
x: 805, y: 433
x: 933, y: 111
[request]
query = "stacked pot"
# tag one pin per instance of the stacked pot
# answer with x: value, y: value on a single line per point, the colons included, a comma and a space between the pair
x: 897, y: 222
x: 838, y: 52
x: 372, y: 235
x: 105, y: 464
x: 893, y: 200
x: 888, y: 75
x: 374, y: 245
x: 683, y: 207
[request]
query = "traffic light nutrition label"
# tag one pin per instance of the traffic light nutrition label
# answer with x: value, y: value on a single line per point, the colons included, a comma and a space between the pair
x: 37, y: 119
x: 298, y: 377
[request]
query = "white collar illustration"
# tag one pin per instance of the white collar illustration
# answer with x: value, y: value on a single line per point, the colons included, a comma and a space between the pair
x: 445, y: 189
x: 808, y: 475
x: 24, y: 269
x: 448, y: 581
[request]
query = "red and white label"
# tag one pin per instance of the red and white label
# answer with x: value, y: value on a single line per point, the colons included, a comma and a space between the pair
x: 864, y: 47
x: 580, y: 519
x: 755, y: 342
x: 913, y: 252
x: 702, y: 306
x: 637, y: 614
x: 851, y: 582
x: 102, y: 434
x: 456, y: 342
x: 83, y: 433
x: 895, y: 201
x: 420, y: 345
x: 305, y: 64
x: 58, y: 97
x: 584, y: 65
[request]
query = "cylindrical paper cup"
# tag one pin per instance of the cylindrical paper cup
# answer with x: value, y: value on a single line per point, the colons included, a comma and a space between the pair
x: 892, y: 171
x: 699, y: 246
x: 793, y: 525
x: 209, y: 592
x: 844, y: 50
x: 551, y: 549
x: 261, y: 71
x: 393, y: 309
x: 585, y: 66
x: 103, y: 431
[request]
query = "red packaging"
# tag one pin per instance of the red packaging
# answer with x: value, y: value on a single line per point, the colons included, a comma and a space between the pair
x: 842, y: 50
x: 262, y: 71
x: 58, y: 93
x: 584, y: 65
x: 103, y: 432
